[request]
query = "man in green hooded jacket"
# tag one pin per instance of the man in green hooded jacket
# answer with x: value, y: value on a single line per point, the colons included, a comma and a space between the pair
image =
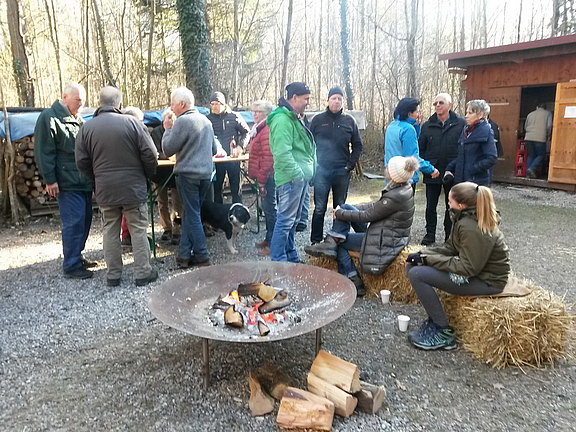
x: 294, y: 153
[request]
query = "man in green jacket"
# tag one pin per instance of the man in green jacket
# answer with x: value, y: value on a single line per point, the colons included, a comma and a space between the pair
x: 294, y: 152
x: 55, y: 141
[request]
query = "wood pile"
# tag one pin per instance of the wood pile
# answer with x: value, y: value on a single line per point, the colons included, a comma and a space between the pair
x: 333, y: 387
x: 27, y: 178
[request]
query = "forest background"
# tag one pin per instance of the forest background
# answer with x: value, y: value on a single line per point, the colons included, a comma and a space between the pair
x: 379, y: 50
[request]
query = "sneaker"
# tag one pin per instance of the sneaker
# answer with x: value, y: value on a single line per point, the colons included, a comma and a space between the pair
x: 301, y: 227
x: 126, y: 241
x: 261, y: 244
x: 432, y: 337
x: 113, y: 282
x: 199, y: 262
x: 88, y: 264
x: 424, y: 328
x: 359, y: 284
x: 175, y: 239
x: 80, y: 273
x: 264, y: 251
x: 327, y: 248
x: 428, y: 240
x: 530, y: 173
x: 151, y: 278
x: 166, y: 235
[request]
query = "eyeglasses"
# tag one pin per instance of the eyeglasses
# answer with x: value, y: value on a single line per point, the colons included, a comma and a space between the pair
x: 439, y: 103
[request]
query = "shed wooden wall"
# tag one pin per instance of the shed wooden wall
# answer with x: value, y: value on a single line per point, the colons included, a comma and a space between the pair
x: 501, y: 86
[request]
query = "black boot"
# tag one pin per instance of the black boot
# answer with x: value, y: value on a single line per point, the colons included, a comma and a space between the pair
x: 359, y: 284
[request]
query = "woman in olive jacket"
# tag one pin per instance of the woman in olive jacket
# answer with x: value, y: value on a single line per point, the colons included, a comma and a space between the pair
x: 388, y: 232
x: 474, y: 261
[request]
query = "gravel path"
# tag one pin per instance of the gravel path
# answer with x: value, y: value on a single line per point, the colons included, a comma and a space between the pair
x: 84, y: 357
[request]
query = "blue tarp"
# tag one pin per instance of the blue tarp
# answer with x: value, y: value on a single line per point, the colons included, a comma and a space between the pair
x: 22, y: 124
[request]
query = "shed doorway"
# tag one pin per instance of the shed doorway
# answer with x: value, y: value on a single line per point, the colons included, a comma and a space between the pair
x: 529, y: 100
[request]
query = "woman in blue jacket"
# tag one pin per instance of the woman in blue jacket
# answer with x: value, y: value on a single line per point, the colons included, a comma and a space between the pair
x: 401, y: 137
x: 476, y: 148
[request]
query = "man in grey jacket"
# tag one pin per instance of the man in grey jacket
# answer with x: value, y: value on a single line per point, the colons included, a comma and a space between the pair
x: 116, y: 151
x: 191, y: 139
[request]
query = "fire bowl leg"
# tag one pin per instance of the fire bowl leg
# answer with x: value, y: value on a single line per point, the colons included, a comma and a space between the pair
x: 318, y: 340
x: 206, y: 366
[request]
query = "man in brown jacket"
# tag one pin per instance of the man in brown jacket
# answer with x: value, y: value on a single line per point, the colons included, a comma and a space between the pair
x: 116, y: 151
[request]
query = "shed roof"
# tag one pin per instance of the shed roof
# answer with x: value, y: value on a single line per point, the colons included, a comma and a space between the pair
x: 513, y: 53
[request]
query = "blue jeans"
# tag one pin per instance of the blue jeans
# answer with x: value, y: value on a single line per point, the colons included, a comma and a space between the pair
x: 192, y: 239
x: 352, y: 242
x: 269, y: 208
x: 76, y: 216
x: 303, y: 219
x: 323, y: 182
x: 536, y: 153
x: 289, y: 198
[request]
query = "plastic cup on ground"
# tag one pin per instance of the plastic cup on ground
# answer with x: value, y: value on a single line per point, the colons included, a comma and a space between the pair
x: 403, y: 321
x: 385, y: 296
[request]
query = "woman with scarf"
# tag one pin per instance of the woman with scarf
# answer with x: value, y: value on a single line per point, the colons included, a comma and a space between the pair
x: 261, y: 168
x: 381, y: 228
x: 473, y: 262
x: 476, y: 148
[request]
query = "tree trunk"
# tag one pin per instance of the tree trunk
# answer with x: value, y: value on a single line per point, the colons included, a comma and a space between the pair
x: 193, y: 27
x: 24, y: 83
x: 412, y: 26
x: 233, y: 96
x: 54, y: 37
x: 320, y: 52
x: 150, y: 46
x: 345, y: 53
x: 286, y: 45
x: 108, y: 77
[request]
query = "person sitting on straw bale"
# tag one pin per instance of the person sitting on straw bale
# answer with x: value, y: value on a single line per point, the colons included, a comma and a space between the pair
x: 473, y: 261
x: 387, y: 234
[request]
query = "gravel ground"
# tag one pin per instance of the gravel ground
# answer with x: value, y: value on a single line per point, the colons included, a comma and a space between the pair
x: 77, y: 355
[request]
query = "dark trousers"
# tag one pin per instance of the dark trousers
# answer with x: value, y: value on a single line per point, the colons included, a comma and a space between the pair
x: 323, y: 183
x: 233, y: 170
x: 433, y: 192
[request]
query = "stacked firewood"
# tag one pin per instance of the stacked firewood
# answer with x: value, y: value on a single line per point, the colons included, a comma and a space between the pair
x: 334, y: 387
x: 27, y: 179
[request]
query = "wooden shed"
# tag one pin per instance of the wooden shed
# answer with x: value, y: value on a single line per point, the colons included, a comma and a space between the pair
x: 513, y: 79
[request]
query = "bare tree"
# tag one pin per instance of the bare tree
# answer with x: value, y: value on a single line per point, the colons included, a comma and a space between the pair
x: 412, y: 26
x: 19, y: 57
x: 107, y: 72
x: 286, y: 49
x: 345, y: 53
x: 50, y: 13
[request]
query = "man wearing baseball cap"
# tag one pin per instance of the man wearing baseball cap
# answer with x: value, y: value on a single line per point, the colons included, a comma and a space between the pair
x: 338, y: 148
x: 294, y: 152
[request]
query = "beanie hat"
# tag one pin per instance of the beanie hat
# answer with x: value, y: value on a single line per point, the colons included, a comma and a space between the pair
x: 296, y: 88
x: 335, y: 90
x: 401, y: 169
x: 218, y: 97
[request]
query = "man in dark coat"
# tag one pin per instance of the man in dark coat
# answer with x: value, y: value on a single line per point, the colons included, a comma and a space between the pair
x: 116, y: 151
x: 338, y: 148
x: 438, y: 143
x: 232, y: 132
x: 55, y: 143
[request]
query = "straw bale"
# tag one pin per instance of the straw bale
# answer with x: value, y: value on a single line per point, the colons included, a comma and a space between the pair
x: 512, y: 331
x: 394, y: 277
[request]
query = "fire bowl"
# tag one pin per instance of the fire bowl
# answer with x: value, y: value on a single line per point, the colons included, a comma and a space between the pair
x: 319, y: 296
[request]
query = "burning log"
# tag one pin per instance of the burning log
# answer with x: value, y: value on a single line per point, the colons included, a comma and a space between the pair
x: 334, y: 370
x: 273, y: 379
x: 263, y: 328
x: 304, y: 410
x: 370, y: 397
x: 233, y: 318
x: 260, y: 402
x: 280, y: 301
x: 344, y: 403
x: 259, y: 289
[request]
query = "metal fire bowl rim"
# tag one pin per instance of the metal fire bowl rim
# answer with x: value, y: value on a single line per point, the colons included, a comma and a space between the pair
x: 319, y: 295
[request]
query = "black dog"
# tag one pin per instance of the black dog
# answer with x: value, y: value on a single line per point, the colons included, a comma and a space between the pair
x: 229, y: 218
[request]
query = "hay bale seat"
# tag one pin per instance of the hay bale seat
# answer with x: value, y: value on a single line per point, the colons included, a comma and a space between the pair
x: 532, y: 330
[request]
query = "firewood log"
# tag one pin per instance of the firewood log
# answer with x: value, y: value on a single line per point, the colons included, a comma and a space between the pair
x: 22, y: 189
x: 37, y: 183
x: 370, y: 397
x: 260, y: 402
x: 302, y: 409
x: 265, y: 292
x: 23, y: 145
x: 19, y: 159
x: 344, y: 403
x: 34, y: 193
x: 334, y: 370
x: 29, y: 161
x: 233, y: 318
x: 28, y: 174
x: 22, y: 167
x: 280, y: 301
x: 263, y: 328
x: 29, y: 153
x: 273, y: 379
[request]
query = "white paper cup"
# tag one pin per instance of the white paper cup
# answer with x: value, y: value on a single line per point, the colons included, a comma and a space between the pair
x: 403, y: 321
x: 385, y: 296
